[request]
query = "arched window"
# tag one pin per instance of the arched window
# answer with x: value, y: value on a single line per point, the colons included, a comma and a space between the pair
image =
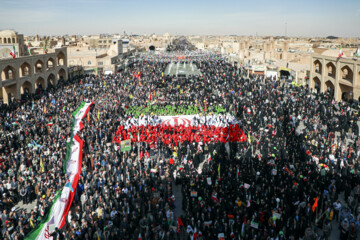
x: 89, y: 62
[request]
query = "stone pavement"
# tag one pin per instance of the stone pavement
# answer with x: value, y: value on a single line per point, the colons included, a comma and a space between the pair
x: 27, y: 207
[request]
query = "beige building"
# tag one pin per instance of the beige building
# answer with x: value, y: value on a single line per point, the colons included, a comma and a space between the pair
x: 340, y: 76
x: 96, y: 60
x: 99, y: 41
x: 152, y: 42
x: 8, y: 40
x: 27, y: 74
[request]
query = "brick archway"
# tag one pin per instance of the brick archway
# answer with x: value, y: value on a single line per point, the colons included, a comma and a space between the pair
x: 8, y: 73
x: 51, y: 80
x: 316, y: 84
x: 330, y: 87
x: 25, y: 69
x: 26, y: 87
x: 317, y: 66
x: 39, y: 67
x: 330, y: 69
x: 50, y: 64
x: 62, y: 74
x: 60, y: 59
x: 346, y: 73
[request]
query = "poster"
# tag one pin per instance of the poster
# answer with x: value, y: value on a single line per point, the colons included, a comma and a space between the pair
x: 125, y: 145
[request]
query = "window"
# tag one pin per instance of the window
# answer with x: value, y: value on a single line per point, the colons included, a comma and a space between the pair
x: 100, y: 41
x: 13, y: 40
x: 100, y: 63
x: 109, y: 41
x: 5, y: 40
x: 89, y: 62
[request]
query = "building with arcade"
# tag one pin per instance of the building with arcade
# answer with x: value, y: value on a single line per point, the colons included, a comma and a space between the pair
x: 339, y: 76
x: 25, y: 74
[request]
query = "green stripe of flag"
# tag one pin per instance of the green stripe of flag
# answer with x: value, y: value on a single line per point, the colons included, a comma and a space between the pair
x: 36, y: 231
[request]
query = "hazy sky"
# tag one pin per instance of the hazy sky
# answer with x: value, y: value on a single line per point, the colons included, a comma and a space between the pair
x: 199, y: 17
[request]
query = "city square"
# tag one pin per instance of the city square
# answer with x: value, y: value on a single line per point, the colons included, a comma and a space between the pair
x: 246, y: 131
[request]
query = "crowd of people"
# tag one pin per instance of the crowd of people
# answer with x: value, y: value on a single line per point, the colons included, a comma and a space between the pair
x: 295, y: 173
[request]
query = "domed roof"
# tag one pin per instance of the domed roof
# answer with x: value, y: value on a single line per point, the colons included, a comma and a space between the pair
x: 8, y: 33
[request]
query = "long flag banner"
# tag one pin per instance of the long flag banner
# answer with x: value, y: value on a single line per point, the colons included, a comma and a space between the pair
x: 73, y: 161
x: 175, y: 129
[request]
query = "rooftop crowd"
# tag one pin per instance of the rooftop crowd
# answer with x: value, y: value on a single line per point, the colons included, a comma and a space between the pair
x: 295, y: 173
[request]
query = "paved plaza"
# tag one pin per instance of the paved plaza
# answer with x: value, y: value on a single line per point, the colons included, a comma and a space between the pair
x: 182, y: 69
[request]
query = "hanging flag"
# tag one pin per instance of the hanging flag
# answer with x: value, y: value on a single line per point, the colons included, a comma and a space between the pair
x: 45, y: 50
x: 139, y: 238
x: 315, y: 204
x: 28, y: 48
x: 357, y: 53
x: 340, y: 53
x: 13, y: 53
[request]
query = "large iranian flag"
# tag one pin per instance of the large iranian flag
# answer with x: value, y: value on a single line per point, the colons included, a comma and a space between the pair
x: 177, y: 129
x: 63, y: 200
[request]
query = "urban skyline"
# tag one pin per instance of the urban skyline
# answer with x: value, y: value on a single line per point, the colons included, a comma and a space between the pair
x: 297, y: 18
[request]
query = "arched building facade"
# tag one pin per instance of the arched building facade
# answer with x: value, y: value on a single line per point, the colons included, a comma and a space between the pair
x: 341, y: 77
x: 26, y: 74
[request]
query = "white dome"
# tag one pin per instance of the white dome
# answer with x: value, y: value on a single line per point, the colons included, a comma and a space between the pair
x: 8, y: 33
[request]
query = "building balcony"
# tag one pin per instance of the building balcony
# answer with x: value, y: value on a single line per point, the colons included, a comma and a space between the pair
x: 346, y: 81
x: 8, y: 82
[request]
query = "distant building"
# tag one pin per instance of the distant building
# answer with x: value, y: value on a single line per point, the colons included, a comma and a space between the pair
x: 29, y: 74
x: 96, y: 60
x: 339, y: 76
x: 8, y: 40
